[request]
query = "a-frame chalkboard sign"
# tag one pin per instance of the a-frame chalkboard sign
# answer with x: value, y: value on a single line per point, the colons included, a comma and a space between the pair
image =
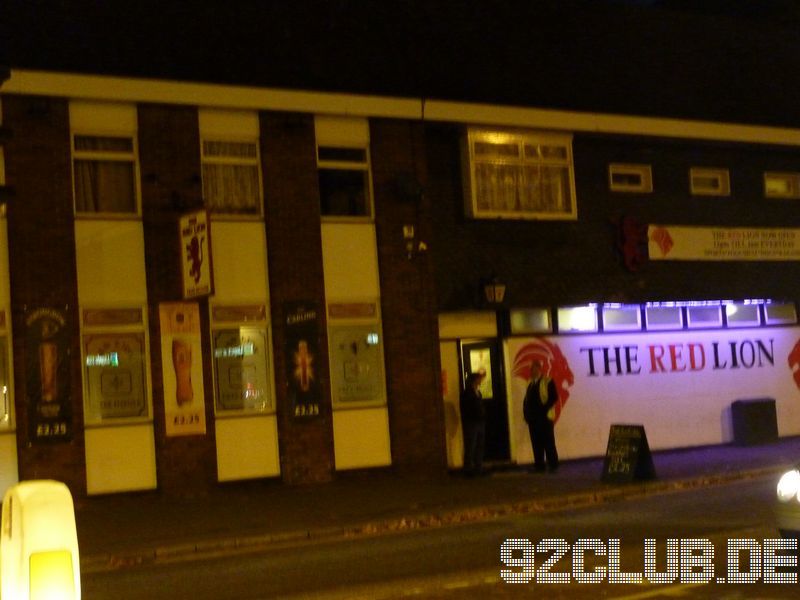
x: 627, y: 455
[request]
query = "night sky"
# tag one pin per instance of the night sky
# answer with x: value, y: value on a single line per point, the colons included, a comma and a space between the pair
x: 707, y: 59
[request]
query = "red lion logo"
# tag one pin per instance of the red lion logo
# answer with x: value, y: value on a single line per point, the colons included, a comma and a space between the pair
x: 194, y: 254
x: 794, y: 363
x: 554, y: 365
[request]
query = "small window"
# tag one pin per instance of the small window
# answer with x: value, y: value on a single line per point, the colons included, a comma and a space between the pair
x: 519, y: 175
x: 104, y: 172
x: 703, y: 316
x: 231, y: 176
x: 530, y: 320
x: 782, y: 185
x: 576, y: 319
x: 622, y: 318
x: 742, y: 315
x: 710, y: 182
x: 630, y: 178
x: 780, y: 313
x: 663, y: 317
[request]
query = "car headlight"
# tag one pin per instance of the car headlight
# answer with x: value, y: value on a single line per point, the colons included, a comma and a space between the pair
x: 789, y: 486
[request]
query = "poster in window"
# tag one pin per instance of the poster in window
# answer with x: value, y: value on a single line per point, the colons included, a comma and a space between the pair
x: 48, y: 375
x: 240, y: 363
x: 115, y: 376
x: 356, y: 364
x: 302, y: 358
x: 195, y: 240
x: 182, y: 368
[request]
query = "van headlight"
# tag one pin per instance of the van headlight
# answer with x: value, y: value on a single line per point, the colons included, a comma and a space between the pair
x: 789, y: 486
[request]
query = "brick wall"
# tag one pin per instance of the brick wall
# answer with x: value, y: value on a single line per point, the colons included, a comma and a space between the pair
x: 291, y: 199
x: 169, y: 143
x: 41, y: 240
x: 408, y: 307
x: 550, y: 263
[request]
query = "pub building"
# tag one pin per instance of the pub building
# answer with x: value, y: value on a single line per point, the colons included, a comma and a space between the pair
x: 206, y: 282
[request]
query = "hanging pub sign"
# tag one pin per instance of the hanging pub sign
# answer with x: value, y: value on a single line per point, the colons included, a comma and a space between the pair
x: 302, y: 357
x: 48, y: 375
x: 195, y: 240
x: 182, y: 368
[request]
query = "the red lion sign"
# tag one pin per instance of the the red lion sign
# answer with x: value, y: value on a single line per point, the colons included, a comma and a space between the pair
x: 554, y: 365
x: 794, y: 363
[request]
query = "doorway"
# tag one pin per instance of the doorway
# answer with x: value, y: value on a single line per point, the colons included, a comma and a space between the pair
x: 486, y: 355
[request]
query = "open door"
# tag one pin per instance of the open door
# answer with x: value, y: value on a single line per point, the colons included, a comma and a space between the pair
x: 486, y: 355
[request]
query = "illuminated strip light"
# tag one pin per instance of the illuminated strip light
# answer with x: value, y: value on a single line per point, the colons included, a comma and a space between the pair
x: 235, y: 351
x: 103, y: 360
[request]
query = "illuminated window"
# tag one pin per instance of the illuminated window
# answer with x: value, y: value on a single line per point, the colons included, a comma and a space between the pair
x: 630, y: 178
x: 742, y: 315
x: 6, y: 398
x: 576, y: 319
x: 622, y: 318
x: 530, y: 320
x: 114, y: 365
x: 703, y: 316
x: 710, y: 182
x: 356, y: 354
x: 343, y: 167
x: 104, y: 158
x: 519, y: 175
x: 782, y: 185
x: 240, y: 340
x: 663, y: 317
x: 231, y: 164
x: 778, y: 313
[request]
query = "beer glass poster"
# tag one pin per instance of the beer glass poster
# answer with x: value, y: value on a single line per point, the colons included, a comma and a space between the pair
x: 302, y: 353
x: 182, y: 369
x: 48, y: 375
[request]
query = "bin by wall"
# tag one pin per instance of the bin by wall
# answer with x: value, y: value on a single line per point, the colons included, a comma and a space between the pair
x: 754, y: 421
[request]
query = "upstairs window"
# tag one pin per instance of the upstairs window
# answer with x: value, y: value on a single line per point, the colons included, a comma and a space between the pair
x: 519, y: 175
x: 782, y: 185
x: 104, y: 158
x: 231, y: 165
x: 630, y: 178
x: 231, y: 177
x: 709, y: 182
x: 343, y: 167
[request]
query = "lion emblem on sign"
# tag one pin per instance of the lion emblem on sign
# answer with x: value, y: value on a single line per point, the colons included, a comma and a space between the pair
x: 554, y: 365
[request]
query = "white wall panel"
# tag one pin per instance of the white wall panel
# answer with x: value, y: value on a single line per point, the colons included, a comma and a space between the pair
x: 350, y: 261
x: 120, y: 459
x: 361, y: 438
x: 8, y: 461
x: 239, y: 257
x: 247, y: 447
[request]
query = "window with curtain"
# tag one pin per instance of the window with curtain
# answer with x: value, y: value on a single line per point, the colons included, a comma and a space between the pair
x: 104, y: 174
x: 520, y: 175
x: 231, y: 177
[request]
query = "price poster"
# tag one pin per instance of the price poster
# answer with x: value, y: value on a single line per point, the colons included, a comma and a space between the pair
x: 182, y: 368
x: 48, y: 375
x: 302, y: 358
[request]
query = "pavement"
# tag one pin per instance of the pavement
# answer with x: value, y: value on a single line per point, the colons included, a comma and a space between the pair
x: 127, y: 530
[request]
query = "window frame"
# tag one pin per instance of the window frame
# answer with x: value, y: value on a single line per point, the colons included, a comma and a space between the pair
x: 723, y: 176
x: 346, y: 165
x: 122, y: 328
x: 233, y: 161
x: 644, y: 171
x: 521, y: 138
x: 793, y: 179
x: 106, y: 156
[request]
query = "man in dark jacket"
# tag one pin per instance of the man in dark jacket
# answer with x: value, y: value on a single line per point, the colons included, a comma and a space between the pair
x: 538, y: 408
x: 473, y: 424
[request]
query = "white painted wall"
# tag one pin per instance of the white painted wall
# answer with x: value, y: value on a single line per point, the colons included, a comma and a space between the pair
x: 247, y: 447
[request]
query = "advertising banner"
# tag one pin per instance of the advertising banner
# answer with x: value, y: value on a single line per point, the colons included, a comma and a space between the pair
x: 678, y: 385
x: 671, y: 242
x: 195, y: 242
x: 182, y: 368
x: 302, y: 357
x: 48, y: 375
